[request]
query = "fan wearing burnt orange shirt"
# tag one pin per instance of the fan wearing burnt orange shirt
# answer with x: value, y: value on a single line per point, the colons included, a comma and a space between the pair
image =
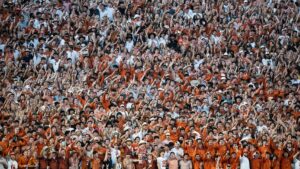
x: 209, y: 161
x: 267, y: 163
x: 197, y: 162
x: 23, y: 160
x: 255, y: 160
x: 286, y: 161
x: 234, y: 161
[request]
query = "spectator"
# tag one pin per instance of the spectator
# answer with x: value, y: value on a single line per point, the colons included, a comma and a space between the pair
x: 148, y: 83
x: 3, y: 161
x: 173, y: 161
x: 11, y: 162
x: 185, y: 163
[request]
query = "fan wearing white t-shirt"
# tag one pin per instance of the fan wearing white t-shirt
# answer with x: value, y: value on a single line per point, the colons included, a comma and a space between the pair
x: 178, y: 151
x: 244, y: 161
x: 296, y: 163
x: 161, y: 161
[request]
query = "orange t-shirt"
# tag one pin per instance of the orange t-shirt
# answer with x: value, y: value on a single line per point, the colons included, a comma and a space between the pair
x: 174, y: 136
x: 105, y: 103
x: 256, y: 163
x: 4, y: 146
x: 276, y: 164
x: 263, y: 150
x: 234, y: 162
x: 266, y: 164
x: 201, y: 152
x: 32, y: 161
x: 95, y: 163
x: 196, y: 164
x: 222, y: 149
x: 286, y: 163
x: 209, y: 163
x: 22, y: 161
x: 190, y: 149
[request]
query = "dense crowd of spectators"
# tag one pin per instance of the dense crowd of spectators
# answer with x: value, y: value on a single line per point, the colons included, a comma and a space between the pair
x: 149, y: 84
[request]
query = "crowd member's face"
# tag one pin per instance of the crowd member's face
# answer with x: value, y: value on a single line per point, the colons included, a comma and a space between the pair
x: 162, y: 153
x: 182, y: 132
x: 17, y: 130
x: 172, y: 155
x: 26, y: 153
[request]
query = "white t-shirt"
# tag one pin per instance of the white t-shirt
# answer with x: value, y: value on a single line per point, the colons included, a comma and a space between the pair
x: 138, y: 134
x: 130, y: 60
x: 166, y: 142
x: 197, y: 63
x: 16, y: 54
x: 129, y: 45
x: 162, y: 41
x: 178, y: 152
x: 3, y: 163
x: 55, y: 64
x: 268, y: 62
x: 12, y: 164
x: 161, y: 162
x: 102, y: 13
x: 174, y: 115
x: 59, y: 13
x: 150, y: 42
x: 167, y: 154
x: 118, y: 165
x: 260, y: 128
x: 110, y: 13
x: 296, y: 164
x: 115, y: 153
x: 226, y: 8
x: 244, y: 162
x: 215, y: 39
x: 36, y: 59
x: 36, y: 24
x: 74, y: 55
x: 189, y: 15
x: 2, y: 47
x: 119, y: 59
